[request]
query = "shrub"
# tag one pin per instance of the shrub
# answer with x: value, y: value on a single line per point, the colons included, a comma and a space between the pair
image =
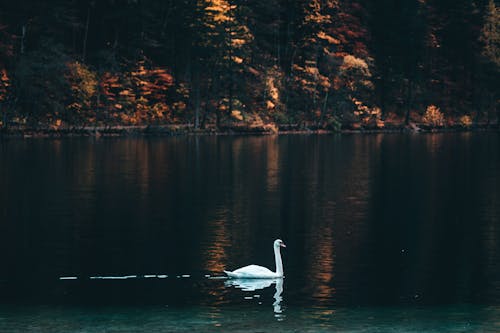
x: 334, y: 124
x: 465, y: 121
x: 433, y: 116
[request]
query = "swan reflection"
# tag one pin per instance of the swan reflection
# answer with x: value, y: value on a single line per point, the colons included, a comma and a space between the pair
x: 278, y: 298
x: 250, y: 284
x: 259, y: 284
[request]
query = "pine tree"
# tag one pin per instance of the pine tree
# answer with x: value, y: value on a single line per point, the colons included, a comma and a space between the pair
x: 224, y: 44
x: 490, y: 38
x: 309, y: 81
x: 490, y: 34
x: 331, y: 71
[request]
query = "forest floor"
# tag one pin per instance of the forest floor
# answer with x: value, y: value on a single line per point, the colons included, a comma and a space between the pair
x: 24, y: 131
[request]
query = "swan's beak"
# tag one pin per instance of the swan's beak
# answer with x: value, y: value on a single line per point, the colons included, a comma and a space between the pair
x: 282, y: 245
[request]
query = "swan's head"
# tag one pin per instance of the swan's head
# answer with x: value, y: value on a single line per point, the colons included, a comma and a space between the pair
x: 279, y: 243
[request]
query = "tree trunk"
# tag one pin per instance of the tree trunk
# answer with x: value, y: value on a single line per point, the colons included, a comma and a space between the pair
x: 98, y: 101
x: 492, y: 107
x: 383, y: 90
x: 230, y: 67
x: 323, y: 112
x: 197, y: 102
x: 4, y: 117
x: 86, y: 35
x: 23, y: 35
x: 409, y: 102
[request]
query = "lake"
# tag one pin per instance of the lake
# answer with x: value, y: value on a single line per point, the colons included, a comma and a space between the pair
x: 384, y: 233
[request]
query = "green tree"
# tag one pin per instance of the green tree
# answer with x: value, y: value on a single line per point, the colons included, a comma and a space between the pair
x: 490, y: 34
x: 84, y: 87
x: 223, y: 42
x: 490, y: 56
x: 40, y: 83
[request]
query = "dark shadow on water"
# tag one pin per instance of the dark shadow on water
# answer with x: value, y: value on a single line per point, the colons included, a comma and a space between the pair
x: 375, y: 220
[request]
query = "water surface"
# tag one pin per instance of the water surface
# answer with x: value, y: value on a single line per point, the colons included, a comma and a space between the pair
x: 383, y: 232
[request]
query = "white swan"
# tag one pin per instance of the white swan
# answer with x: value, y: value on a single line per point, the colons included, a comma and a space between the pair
x: 259, y: 272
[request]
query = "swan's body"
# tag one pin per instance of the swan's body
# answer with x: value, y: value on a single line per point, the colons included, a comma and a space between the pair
x: 253, y: 272
x: 259, y: 272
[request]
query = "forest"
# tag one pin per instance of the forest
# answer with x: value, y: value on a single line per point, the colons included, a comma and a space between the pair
x: 245, y: 64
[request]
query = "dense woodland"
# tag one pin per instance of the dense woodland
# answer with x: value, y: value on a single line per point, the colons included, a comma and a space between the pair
x: 226, y: 63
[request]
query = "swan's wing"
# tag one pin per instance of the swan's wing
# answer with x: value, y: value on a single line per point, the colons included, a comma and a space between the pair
x: 253, y: 269
x: 251, y: 272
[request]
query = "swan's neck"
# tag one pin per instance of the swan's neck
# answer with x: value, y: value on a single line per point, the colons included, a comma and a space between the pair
x: 279, y: 263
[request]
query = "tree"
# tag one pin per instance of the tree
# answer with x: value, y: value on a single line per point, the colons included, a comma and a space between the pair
x: 490, y: 38
x: 313, y: 62
x: 151, y: 86
x: 6, y: 57
x: 332, y: 54
x: 223, y: 44
x: 40, y: 83
x: 490, y: 34
x: 398, y: 29
x: 84, y: 87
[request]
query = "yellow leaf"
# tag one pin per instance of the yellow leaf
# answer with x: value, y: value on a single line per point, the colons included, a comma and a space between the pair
x: 328, y: 38
x: 237, y: 115
x: 237, y: 60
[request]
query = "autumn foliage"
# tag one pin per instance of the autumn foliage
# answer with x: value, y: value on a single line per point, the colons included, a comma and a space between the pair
x: 140, y: 96
x: 433, y: 116
x: 322, y: 64
x: 4, y: 84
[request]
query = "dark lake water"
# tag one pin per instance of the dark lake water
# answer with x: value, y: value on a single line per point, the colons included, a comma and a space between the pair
x: 384, y: 233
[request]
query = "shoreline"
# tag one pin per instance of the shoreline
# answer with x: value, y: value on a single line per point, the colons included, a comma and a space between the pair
x: 188, y: 130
